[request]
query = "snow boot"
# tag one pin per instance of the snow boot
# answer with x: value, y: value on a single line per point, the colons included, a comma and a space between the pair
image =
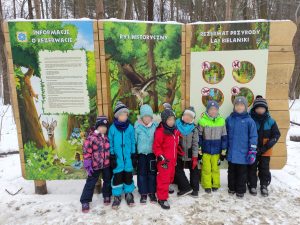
x: 231, y: 192
x: 116, y: 203
x: 194, y: 194
x: 215, y: 189
x: 143, y: 199
x: 184, y: 193
x: 208, y: 190
x: 107, y: 201
x: 153, y: 198
x: 171, y: 190
x: 253, y: 191
x: 85, y: 207
x: 129, y: 199
x: 240, y: 195
x: 164, y: 204
x: 264, y: 191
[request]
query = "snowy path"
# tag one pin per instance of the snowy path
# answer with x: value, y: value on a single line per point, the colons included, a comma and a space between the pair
x: 61, y: 205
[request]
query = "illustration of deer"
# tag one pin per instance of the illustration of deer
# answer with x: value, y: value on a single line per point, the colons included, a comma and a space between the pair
x: 50, y: 132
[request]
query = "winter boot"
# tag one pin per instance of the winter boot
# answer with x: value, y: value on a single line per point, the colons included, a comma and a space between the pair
x: 231, y: 192
x: 253, y: 191
x: 164, y: 204
x: 264, y: 191
x: 116, y: 203
x: 143, y: 199
x: 129, y: 199
x: 208, y: 190
x: 184, y: 193
x: 107, y: 201
x: 171, y: 190
x: 153, y: 198
x: 85, y: 207
x: 240, y: 195
x: 194, y: 194
x: 215, y: 189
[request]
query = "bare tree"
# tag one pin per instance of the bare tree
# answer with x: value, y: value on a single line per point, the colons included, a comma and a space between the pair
x: 30, y: 9
x: 37, y: 8
x: 99, y: 9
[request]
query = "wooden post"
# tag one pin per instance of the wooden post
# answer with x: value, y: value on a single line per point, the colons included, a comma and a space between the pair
x: 40, y: 187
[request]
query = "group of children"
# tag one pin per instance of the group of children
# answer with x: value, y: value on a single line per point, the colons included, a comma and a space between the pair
x: 161, y: 151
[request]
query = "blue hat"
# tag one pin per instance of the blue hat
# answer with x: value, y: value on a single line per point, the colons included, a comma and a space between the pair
x: 146, y: 110
x: 101, y: 121
x: 212, y: 103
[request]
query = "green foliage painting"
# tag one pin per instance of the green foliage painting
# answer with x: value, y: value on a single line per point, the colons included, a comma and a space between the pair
x: 52, y: 141
x: 245, y: 73
x: 247, y: 93
x: 144, y: 61
x: 214, y: 73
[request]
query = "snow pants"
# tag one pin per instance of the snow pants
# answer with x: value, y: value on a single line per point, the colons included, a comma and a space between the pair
x: 164, y: 178
x: 262, y: 164
x: 182, y: 181
x: 237, y: 177
x: 210, y: 177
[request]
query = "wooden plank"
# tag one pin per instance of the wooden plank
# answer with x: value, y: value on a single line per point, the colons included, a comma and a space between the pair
x: 282, y: 32
x: 278, y: 105
x: 282, y: 118
x: 281, y: 48
x: 100, y: 24
x: 281, y: 58
x: 183, y: 66
x: 277, y: 163
x: 283, y: 132
x: 279, y: 150
x: 279, y: 73
x: 277, y: 91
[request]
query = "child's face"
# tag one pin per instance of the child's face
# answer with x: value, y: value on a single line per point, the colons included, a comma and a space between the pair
x: 147, y: 120
x: 102, y: 129
x: 239, y: 108
x: 187, y: 118
x: 171, y: 121
x: 213, y: 112
x: 123, y: 117
x: 260, y: 110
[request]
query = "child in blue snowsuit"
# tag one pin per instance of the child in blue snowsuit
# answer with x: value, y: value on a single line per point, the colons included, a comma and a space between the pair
x: 242, y: 141
x: 146, y: 169
x: 122, y: 155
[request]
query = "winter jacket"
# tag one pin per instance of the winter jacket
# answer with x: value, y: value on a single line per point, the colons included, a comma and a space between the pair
x: 188, y: 143
x: 166, y: 144
x: 122, y: 145
x: 212, y: 134
x: 268, y: 133
x: 96, y: 148
x: 144, y: 137
x: 242, y: 136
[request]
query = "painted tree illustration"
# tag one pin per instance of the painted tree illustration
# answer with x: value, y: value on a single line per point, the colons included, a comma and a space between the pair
x: 25, y: 57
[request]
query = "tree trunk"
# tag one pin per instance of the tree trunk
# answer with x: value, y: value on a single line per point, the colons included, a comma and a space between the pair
x: 162, y: 10
x: 172, y: 9
x: 53, y: 11
x: 30, y: 124
x: 14, y: 7
x: 228, y: 14
x: 37, y: 8
x: 72, y: 123
x: 263, y: 9
x: 30, y: 13
x: 99, y: 9
x: 57, y: 9
x: 150, y: 10
x: 47, y: 8
x: 151, y: 63
x: 128, y: 13
x: 121, y: 9
x: 42, y: 8
x: 171, y: 89
x: 82, y: 8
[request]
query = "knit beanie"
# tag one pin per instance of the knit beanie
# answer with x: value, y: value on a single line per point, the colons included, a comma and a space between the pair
x: 166, y: 114
x: 212, y: 103
x: 260, y: 102
x: 190, y: 111
x: 167, y: 105
x: 120, y: 108
x: 146, y: 110
x: 101, y: 121
x: 241, y: 99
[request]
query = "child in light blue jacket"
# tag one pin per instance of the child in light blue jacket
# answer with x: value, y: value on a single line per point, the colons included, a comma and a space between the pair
x: 146, y: 172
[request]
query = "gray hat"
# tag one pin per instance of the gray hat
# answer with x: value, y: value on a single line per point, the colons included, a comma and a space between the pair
x: 242, y: 100
x: 120, y: 108
x: 166, y: 114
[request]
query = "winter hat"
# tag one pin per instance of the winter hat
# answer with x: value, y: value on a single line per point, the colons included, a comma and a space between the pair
x: 166, y: 114
x: 212, y: 103
x: 146, y: 110
x: 101, y: 121
x: 190, y: 111
x: 120, y: 108
x: 241, y: 99
x: 260, y: 102
x: 167, y: 105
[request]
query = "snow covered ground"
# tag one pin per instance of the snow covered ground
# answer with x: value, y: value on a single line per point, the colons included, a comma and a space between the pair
x: 61, y: 205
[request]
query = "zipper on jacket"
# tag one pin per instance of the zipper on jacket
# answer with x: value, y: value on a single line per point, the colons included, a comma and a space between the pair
x: 123, y: 146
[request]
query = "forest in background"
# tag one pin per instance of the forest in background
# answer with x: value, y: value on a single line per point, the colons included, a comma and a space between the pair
x: 152, y: 10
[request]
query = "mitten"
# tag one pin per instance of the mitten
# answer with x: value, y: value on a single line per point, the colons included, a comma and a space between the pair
x: 223, y: 155
x: 87, y: 163
x: 200, y: 158
x: 251, y: 157
x: 194, y: 162
x: 134, y: 159
x: 113, y: 161
x: 164, y: 161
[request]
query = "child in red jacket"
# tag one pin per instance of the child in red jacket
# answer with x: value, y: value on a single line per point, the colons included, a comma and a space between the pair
x: 166, y: 140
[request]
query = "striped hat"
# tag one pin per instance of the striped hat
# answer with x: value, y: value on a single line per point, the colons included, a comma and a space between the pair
x: 260, y: 102
x: 101, y: 121
x: 120, y: 108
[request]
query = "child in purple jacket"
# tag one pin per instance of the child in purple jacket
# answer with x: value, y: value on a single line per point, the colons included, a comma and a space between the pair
x: 96, y: 156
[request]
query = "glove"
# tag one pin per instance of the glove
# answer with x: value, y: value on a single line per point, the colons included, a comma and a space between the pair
x: 180, y: 151
x: 87, y: 163
x: 134, y: 159
x: 164, y: 161
x: 251, y: 157
x: 200, y: 158
x: 223, y: 155
x: 113, y: 161
x: 194, y: 162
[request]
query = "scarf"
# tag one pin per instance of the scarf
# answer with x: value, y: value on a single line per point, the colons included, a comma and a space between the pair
x: 142, y: 123
x: 167, y: 129
x: 184, y: 128
x: 121, y: 126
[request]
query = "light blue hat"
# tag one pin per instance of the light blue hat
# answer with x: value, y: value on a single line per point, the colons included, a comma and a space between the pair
x: 146, y: 110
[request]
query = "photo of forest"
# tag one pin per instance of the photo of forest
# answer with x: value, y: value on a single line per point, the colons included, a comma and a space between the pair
x: 245, y: 73
x: 214, y: 74
x: 144, y: 64
x: 214, y: 94
x: 52, y: 142
x: 247, y: 93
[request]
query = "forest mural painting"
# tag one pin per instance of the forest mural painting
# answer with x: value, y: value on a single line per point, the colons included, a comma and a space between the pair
x: 233, y: 59
x: 52, y: 135
x: 144, y: 64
